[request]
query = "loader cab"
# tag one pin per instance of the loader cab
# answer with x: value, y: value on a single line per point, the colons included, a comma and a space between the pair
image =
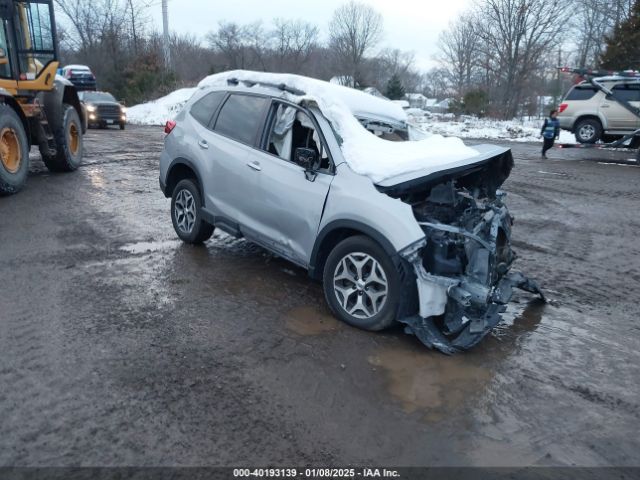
x: 28, y: 45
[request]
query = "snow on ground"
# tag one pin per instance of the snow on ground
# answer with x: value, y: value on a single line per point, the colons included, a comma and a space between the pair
x: 474, y: 127
x: 159, y: 111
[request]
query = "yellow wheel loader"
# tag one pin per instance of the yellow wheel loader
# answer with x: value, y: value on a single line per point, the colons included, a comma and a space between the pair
x: 36, y: 106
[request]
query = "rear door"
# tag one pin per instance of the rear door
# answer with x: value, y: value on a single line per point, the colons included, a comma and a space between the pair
x: 618, y: 117
x: 236, y: 131
x: 226, y: 129
x: 288, y: 204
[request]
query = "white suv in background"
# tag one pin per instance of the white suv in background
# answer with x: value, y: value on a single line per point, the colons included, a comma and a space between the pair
x: 592, y: 116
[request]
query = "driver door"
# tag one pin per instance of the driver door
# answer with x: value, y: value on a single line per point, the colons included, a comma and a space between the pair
x: 288, y: 204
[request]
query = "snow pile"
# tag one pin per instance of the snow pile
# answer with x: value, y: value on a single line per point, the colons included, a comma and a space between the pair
x: 473, y: 127
x: 365, y: 153
x: 161, y: 110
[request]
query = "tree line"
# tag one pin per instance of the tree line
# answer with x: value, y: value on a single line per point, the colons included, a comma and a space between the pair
x: 116, y: 39
x: 497, y: 59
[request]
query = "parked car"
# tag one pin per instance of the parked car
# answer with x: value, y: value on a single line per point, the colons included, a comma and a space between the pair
x: 415, y: 232
x: 80, y: 75
x: 103, y: 109
x: 592, y: 116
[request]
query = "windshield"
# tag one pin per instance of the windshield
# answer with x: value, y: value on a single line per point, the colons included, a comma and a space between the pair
x: 96, y: 97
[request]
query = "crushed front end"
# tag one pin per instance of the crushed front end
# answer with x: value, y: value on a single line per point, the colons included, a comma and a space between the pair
x: 462, y: 266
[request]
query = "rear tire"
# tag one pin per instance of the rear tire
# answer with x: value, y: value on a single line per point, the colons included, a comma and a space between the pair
x: 122, y: 126
x: 588, y: 131
x: 14, y: 152
x: 69, y: 143
x: 186, y: 213
x: 361, y: 284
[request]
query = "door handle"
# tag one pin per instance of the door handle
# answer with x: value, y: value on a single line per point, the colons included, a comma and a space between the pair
x: 255, y: 165
x: 203, y: 144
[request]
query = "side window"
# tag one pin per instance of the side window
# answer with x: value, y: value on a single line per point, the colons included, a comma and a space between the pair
x: 204, y: 108
x: 628, y: 93
x: 581, y: 93
x: 241, y: 117
x: 292, y: 128
x: 5, y: 68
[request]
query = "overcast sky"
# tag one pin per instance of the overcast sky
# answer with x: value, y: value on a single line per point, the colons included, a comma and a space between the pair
x: 412, y: 25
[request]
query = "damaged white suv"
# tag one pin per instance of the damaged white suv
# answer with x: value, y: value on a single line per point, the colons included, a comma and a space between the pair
x: 399, y: 225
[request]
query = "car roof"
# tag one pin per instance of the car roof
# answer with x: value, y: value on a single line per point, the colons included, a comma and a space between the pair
x: 77, y: 67
x: 282, y: 92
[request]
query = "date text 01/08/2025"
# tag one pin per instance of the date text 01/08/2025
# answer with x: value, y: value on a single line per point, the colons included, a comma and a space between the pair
x: 315, y: 473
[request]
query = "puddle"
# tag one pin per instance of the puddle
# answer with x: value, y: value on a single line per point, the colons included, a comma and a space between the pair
x: 308, y: 321
x: 145, y: 247
x: 429, y: 382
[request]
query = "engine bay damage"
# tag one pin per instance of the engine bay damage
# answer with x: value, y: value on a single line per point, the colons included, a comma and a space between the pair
x: 462, y: 266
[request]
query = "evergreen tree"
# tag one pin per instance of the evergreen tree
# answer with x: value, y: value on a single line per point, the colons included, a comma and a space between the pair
x: 395, y: 90
x: 623, y: 47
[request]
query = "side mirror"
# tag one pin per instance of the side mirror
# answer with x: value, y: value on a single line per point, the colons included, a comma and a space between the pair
x: 308, y: 159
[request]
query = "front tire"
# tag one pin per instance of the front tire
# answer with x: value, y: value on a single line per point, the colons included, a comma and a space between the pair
x: 361, y: 284
x: 588, y: 131
x: 14, y: 152
x: 186, y: 214
x: 69, y: 143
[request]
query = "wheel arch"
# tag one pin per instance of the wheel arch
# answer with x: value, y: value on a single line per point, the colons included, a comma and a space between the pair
x: 180, y: 169
x: 336, y: 231
x: 54, y: 100
x: 589, y: 116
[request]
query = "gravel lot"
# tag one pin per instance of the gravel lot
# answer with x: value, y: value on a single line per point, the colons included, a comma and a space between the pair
x: 121, y: 346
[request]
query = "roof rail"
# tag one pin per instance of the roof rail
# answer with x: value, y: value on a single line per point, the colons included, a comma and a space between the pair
x: 280, y: 86
x: 587, y: 72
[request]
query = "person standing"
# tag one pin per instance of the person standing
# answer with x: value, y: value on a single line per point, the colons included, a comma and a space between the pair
x: 550, y: 131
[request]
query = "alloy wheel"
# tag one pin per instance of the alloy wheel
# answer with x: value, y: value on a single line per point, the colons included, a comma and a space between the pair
x: 185, y: 211
x: 360, y: 285
x: 587, y: 132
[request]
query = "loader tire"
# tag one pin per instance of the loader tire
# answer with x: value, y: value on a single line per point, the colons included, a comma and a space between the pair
x: 69, y: 143
x: 14, y: 152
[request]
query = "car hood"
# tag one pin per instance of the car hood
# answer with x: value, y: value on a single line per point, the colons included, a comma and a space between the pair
x: 487, y: 170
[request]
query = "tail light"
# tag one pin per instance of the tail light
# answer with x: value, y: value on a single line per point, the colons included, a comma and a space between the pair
x: 563, y: 107
x: 169, y: 126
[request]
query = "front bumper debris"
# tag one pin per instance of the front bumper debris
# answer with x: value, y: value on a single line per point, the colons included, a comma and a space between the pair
x: 466, y: 325
x: 462, y: 276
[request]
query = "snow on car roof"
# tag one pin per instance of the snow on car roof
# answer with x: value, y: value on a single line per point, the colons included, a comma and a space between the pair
x: 77, y: 67
x: 364, y: 152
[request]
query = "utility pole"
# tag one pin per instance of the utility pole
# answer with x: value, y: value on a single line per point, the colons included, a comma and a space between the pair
x: 165, y: 31
x: 558, y: 90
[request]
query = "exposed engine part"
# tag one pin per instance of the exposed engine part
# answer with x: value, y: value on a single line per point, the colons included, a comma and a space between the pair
x: 462, y: 267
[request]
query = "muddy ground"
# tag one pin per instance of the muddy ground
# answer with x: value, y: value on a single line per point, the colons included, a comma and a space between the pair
x: 121, y: 346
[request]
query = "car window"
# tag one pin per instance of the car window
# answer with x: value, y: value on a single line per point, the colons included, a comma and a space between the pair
x: 581, y: 93
x: 292, y: 128
x: 241, y: 117
x: 628, y: 93
x: 204, y: 108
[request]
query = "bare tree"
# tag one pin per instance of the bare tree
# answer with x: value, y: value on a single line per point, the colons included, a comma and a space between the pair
x: 459, y: 48
x: 353, y: 32
x: 516, y: 37
x: 230, y: 41
x: 293, y: 43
